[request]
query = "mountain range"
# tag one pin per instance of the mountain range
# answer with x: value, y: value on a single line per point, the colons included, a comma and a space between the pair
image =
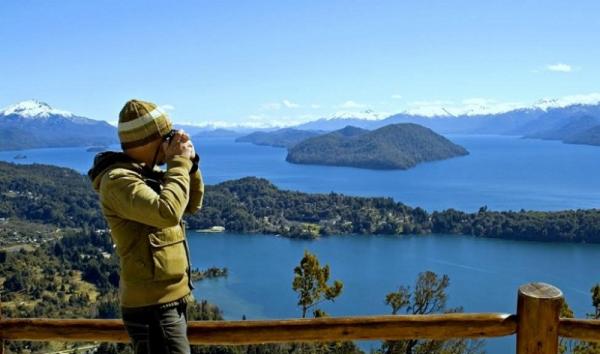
x: 34, y: 124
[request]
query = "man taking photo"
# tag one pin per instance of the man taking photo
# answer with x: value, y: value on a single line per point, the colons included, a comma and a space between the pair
x: 143, y: 206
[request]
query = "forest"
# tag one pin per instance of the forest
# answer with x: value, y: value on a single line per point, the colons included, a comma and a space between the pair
x: 49, y: 195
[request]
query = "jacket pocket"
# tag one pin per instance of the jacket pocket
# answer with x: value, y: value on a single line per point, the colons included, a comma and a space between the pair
x: 168, y: 253
x: 136, y: 264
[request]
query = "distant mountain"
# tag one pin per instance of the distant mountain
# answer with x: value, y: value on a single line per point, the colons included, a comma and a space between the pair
x: 339, y: 120
x: 395, y: 146
x: 190, y: 129
x: 285, y: 137
x: 530, y: 121
x: 588, y: 137
x: 216, y: 133
x: 34, y: 124
x: 561, y: 128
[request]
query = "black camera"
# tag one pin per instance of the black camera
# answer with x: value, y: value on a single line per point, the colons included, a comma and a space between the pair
x: 167, y: 137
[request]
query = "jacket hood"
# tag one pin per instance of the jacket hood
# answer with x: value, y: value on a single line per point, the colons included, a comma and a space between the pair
x: 102, y: 163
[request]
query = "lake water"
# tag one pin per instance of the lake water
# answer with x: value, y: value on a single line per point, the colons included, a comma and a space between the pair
x: 500, y: 172
x: 506, y: 173
x: 484, y: 273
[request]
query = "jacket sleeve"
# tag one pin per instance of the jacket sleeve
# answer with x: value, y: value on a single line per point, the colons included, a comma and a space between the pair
x: 132, y: 199
x: 196, y: 192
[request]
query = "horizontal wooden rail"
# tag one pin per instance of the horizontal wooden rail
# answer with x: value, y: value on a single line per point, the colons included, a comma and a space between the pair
x: 536, y: 324
x: 579, y: 329
x: 277, y: 331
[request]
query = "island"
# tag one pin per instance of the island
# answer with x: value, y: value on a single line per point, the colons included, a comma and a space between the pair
x: 394, y: 146
x: 286, y: 137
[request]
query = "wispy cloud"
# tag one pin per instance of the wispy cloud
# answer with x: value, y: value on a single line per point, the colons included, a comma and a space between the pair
x: 167, y: 107
x: 271, y: 106
x: 315, y: 106
x: 274, y: 106
x: 290, y: 104
x: 559, y: 67
x: 397, y: 96
x: 351, y: 105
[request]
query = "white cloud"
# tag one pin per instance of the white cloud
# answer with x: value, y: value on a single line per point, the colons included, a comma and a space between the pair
x: 167, y: 107
x: 274, y: 106
x: 271, y: 106
x: 397, y: 96
x: 315, y: 106
x: 290, y: 104
x: 559, y: 67
x: 351, y: 104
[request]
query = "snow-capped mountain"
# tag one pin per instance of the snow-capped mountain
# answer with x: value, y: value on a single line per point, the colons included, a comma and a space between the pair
x: 366, y: 115
x: 33, y: 109
x: 477, y: 116
x: 35, y: 124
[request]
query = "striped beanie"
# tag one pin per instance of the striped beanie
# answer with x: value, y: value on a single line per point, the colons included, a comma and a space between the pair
x: 141, y: 122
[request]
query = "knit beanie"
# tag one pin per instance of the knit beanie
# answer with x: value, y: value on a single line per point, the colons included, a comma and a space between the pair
x: 141, y: 122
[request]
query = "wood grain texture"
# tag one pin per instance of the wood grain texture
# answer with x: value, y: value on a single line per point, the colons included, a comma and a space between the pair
x: 579, y: 329
x: 277, y: 331
x: 1, y: 340
x: 538, y: 310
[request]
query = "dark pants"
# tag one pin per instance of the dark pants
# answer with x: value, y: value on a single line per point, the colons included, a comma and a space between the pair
x: 157, y: 331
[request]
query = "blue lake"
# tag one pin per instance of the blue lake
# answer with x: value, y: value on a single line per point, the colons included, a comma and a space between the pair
x: 507, y: 173
x: 500, y: 172
x: 484, y: 273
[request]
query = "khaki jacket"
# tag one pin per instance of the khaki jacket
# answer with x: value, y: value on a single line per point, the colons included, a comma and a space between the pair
x: 144, y: 211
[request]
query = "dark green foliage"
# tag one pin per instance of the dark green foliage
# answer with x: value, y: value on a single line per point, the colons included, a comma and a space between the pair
x: 203, y: 311
x: 428, y: 297
x: 42, y: 283
x: 565, y: 226
x: 255, y: 205
x: 394, y: 146
x: 48, y: 194
x: 14, y: 283
x: 310, y: 282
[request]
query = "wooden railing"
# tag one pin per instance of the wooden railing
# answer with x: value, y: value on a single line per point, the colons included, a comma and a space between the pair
x: 536, y: 324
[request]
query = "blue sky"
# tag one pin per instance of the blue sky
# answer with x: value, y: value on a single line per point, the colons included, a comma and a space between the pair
x: 279, y: 62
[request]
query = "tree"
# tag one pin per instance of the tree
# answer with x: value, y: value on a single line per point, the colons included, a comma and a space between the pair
x: 15, y: 282
x: 581, y: 347
x: 428, y: 297
x: 310, y: 282
x: 596, y: 301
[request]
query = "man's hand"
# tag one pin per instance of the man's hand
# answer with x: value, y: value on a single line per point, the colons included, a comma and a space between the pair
x: 180, y: 144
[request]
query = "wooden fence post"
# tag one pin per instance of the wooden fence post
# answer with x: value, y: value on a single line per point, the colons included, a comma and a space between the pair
x: 538, y: 311
x: 1, y: 339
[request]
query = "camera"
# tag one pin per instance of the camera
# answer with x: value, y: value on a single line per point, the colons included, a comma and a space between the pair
x: 167, y: 137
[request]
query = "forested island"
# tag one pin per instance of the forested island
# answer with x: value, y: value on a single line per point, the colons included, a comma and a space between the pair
x: 394, y: 146
x: 62, y: 198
